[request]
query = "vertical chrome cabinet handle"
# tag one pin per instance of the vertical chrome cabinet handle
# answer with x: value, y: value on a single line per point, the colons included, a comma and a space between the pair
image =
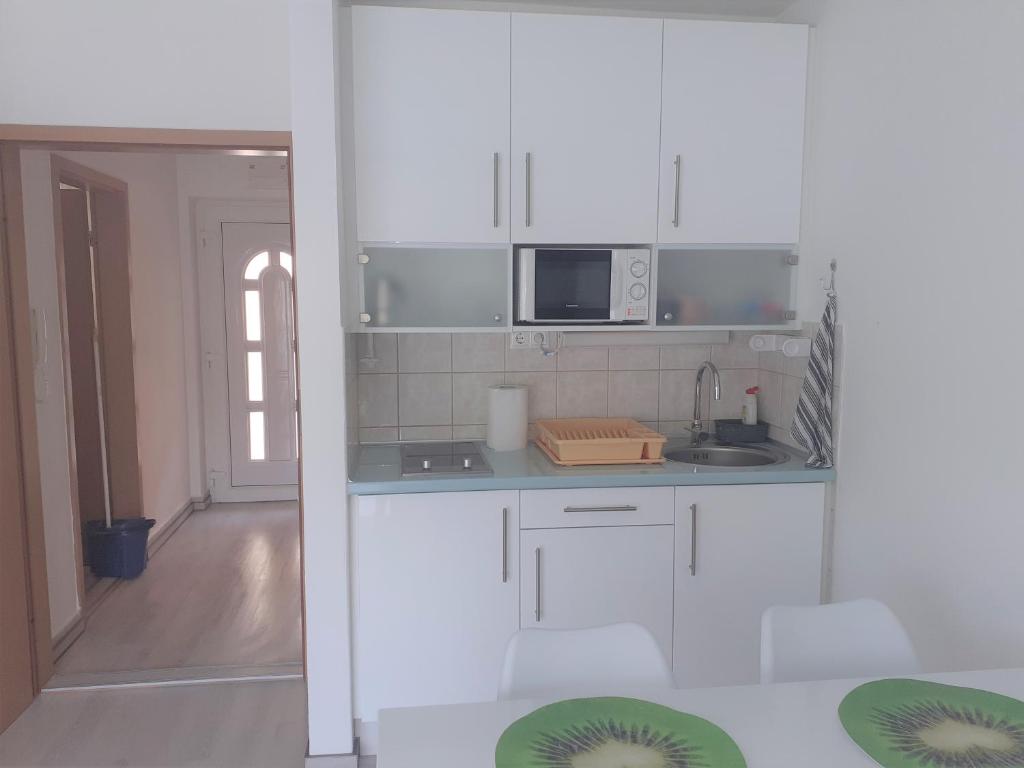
x: 536, y: 607
x: 529, y: 188
x: 497, y: 195
x: 675, y: 200
x: 504, y: 545
x: 693, y: 539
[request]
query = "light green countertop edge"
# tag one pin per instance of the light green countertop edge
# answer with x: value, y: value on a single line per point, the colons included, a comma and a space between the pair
x: 376, y: 471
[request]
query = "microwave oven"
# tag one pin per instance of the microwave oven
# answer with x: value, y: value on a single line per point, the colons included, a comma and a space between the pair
x: 588, y: 285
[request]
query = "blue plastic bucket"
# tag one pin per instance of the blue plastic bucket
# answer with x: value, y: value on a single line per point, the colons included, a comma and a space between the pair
x: 120, y: 550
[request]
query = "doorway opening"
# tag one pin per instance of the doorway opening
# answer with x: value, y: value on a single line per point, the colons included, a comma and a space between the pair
x: 160, y: 284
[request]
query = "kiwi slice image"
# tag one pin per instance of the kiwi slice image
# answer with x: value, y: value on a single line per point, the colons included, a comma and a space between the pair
x: 611, y: 732
x: 917, y: 724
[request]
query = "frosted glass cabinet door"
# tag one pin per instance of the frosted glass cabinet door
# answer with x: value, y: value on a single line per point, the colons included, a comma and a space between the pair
x: 435, y: 288
x: 721, y: 287
x: 431, y: 125
x: 733, y: 114
x: 585, y: 107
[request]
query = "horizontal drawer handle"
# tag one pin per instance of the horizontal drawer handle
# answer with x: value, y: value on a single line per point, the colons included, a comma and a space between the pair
x: 625, y: 508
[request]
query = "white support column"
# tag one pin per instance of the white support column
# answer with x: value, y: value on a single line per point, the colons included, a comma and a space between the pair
x: 315, y: 167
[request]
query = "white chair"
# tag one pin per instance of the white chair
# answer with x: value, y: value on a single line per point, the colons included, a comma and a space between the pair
x: 859, y: 638
x: 540, y: 662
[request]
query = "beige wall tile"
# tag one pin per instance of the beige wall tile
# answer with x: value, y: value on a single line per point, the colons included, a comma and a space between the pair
x: 769, y: 402
x: 582, y: 393
x: 424, y: 352
x: 686, y: 357
x: 772, y: 361
x: 528, y: 360
x: 582, y: 359
x: 378, y: 400
x: 469, y: 432
x: 424, y: 399
x: 736, y: 354
x: 425, y: 433
x: 384, y: 350
x: 791, y: 387
x: 378, y: 435
x: 675, y: 395
x: 675, y: 428
x: 473, y: 352
x: 735, y: 383
x: 470, y: 396
x: 633, y: 394
x: 638, y: 358
x: 542, y: 392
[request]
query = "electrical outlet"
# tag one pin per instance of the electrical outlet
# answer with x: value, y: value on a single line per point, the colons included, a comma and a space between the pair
x: 520, y: 340
x: 542, y: 339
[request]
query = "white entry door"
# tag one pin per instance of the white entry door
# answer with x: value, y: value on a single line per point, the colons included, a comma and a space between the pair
x: 260, y: 328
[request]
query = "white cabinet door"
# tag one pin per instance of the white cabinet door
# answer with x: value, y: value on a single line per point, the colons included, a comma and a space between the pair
x: 431, y: 124
x: 585, y: 109
x: 436, y: 597
x: 756, y: 546
x: 594, y: 576
x: 733, y: 113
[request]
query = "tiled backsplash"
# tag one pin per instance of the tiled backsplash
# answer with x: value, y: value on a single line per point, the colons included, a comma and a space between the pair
x: 433, y: 386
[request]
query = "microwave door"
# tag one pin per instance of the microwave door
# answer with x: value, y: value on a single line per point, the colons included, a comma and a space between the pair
x: 572, y: 285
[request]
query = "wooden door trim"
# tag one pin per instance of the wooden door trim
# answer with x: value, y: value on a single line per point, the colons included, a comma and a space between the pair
x: 15, y: 253
x: 13, y: 250
x: 80, y: 138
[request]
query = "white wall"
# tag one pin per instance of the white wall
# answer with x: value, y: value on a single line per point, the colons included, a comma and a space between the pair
x: 159, y: 350
x: 916, y: 186
x: 153, y: 64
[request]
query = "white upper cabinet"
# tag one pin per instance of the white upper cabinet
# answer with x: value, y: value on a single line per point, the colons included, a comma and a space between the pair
x: 585, y: 119
x: 733, y: 115
x: 431, y: 90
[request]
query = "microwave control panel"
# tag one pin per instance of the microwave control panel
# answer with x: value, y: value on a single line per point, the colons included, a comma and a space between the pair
x: 638, y: 281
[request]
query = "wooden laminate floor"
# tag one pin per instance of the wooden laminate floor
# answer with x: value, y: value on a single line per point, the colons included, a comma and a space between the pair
x: 223, y: 590
x: 224, y: 725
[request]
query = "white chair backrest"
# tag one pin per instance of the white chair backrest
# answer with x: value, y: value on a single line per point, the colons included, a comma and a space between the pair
x: 859, y: 638
x: 541, y: 662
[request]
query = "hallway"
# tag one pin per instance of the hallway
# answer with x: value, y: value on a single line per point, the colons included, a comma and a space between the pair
x: 223, y: 592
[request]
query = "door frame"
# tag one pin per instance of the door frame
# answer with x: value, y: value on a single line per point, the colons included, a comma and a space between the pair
x: 208, y: 214
x: 62, y: 169
x: 14, y: 265
x: 14, y: 256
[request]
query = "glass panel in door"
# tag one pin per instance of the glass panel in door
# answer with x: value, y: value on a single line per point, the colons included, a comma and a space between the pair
x: 572, y: 284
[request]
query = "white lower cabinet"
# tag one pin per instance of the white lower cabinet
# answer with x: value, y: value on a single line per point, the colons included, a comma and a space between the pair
x: 441, y: 581
x: 739, y: 550
x: 586, y: 577
x: 436, y: 597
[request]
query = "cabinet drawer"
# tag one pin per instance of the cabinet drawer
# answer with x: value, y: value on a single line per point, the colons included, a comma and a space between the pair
x: 590, y: 507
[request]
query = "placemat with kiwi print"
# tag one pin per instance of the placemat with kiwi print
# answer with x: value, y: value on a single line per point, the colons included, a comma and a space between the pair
x: 611, y: 732
x: 918, y: 724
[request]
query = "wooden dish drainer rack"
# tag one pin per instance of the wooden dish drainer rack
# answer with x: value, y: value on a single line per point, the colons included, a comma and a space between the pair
x: 579, y: 442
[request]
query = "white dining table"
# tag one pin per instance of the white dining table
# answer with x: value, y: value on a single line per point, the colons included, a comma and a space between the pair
x: 789, y: 725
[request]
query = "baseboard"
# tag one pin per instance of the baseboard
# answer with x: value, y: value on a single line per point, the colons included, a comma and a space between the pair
x: 68, y: 635
x: 177, y: 676
x: 160, y: 538
x: 334, y: 761
x: 366, y: 736
x: 199, y: 504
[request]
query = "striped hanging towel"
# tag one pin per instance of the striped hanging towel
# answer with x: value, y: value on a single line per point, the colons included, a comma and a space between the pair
x: 812, y: 423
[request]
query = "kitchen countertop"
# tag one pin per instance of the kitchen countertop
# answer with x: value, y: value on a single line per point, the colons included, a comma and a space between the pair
x: 377, y: 470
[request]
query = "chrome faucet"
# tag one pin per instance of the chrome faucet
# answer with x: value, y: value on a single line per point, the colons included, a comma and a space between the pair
x: 698, y: 426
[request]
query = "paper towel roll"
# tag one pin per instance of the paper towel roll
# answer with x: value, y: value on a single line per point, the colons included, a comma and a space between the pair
x: 507, y: 417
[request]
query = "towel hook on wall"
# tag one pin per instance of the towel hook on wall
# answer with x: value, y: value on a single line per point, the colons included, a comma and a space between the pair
x: 830, y: 289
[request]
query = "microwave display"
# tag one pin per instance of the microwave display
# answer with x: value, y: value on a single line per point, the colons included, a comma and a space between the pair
x: 572, y: 284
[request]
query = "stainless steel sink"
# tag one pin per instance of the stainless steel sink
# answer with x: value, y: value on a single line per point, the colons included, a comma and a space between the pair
x: 727, y: 456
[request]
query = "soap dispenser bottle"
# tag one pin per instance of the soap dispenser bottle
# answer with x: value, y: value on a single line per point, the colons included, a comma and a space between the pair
x: 750, y: 406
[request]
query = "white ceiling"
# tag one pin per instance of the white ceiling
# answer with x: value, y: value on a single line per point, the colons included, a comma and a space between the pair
x: 758, y: 9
